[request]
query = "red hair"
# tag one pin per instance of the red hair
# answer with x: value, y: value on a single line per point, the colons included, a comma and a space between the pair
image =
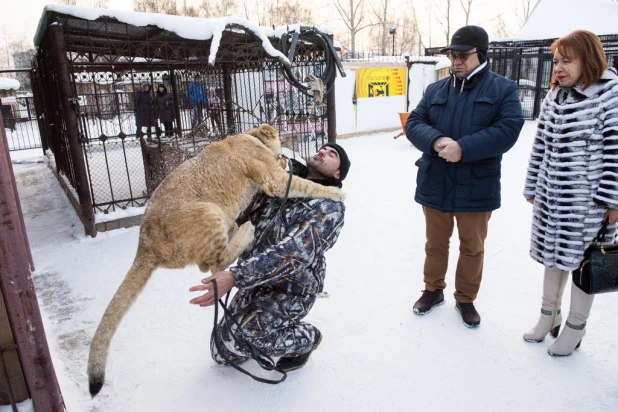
x: 585, y: 47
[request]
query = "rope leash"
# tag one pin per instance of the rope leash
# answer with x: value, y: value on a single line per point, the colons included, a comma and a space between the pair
x: 265, y: 361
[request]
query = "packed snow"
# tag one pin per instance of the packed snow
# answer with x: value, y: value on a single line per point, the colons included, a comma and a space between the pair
x: 376, y: 354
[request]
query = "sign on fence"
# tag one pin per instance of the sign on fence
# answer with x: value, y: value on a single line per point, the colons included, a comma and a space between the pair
x: 380, y: 82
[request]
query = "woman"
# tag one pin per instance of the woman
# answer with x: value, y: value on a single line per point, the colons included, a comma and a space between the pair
x: 571, y: 179
x: 143, y: 111
x: 165, y: 109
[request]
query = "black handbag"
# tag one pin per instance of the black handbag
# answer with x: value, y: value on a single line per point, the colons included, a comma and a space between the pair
x: 598, y: 272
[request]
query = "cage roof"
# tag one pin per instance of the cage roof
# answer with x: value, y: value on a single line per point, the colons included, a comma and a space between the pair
x: 551, y: 19
x: 90, y: 25
x: 8, y: 84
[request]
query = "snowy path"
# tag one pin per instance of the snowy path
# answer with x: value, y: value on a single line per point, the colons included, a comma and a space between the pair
x: 376, y: 354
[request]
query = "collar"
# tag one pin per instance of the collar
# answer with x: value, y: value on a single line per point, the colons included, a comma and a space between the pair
x: 608, y: 75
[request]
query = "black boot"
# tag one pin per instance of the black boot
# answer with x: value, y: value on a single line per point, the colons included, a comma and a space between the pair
x: 469, y: 315
x: 428, y: 301
x: 292, y: 363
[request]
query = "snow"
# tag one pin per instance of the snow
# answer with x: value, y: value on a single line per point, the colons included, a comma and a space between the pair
x: 7, y: 83
x: 551, y: 19
x: 375, y: 355
x: 186, y: 27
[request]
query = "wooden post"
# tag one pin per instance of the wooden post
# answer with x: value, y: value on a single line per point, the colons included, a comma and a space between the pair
x: 69, y: 115
x: 19, y: 294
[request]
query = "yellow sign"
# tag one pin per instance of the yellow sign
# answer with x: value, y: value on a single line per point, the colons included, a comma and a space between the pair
x: 380, y: 82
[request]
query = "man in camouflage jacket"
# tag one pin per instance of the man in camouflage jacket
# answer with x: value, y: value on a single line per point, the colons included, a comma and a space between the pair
x: 279, y: 278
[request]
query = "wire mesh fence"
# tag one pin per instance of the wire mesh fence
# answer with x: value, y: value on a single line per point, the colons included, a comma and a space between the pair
x: 144, y: 100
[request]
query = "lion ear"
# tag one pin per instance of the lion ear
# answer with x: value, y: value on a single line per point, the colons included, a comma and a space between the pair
x: 267, y: 132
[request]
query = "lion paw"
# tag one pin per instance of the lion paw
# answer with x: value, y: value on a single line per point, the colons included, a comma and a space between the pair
x: 337, y: 195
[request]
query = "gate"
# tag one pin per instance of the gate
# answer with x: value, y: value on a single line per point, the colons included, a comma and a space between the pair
x: 21, y: 122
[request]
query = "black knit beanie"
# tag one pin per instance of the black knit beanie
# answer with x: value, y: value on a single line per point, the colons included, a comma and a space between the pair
x: 344, y: 161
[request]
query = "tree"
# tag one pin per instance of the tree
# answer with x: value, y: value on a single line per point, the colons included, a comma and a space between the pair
x: 353, y: 16
x: 466, y: 5
x: 445, y: 21
x: 382, y: 25
x: 408, y: 35
x: 522, y: 9
x: 216, y: 8
x: 156, y: 6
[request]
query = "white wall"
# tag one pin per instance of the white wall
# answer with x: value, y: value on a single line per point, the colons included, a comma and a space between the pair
x: 421, y: 75
x: 370, y: 114
x: 344, y: 94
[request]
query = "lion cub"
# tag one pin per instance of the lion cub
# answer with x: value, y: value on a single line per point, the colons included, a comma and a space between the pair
x: 190, y: 219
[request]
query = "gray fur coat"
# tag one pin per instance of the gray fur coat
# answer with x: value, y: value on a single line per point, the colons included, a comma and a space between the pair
x: 573, y: 171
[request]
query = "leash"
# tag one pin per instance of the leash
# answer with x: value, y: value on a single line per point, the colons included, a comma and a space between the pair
x: 265, y: 361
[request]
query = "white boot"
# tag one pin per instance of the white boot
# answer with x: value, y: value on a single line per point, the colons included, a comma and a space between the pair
x: 575, y: 329
x: 554, y: 282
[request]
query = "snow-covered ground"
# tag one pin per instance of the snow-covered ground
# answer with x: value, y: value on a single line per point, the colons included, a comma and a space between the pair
x: 376, y: 354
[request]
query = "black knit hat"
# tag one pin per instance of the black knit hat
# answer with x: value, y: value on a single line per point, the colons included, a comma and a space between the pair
x: 344, y: 161
x: 468, y: 37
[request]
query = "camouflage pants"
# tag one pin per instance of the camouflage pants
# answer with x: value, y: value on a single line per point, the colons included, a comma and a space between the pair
x: 275, y: 332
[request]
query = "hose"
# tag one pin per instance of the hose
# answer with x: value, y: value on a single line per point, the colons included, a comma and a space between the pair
x: 287, y: 45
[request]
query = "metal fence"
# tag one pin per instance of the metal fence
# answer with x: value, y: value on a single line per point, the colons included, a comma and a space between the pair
x: 20, y: 124
x: 91, y: 71
x: 530, y: 64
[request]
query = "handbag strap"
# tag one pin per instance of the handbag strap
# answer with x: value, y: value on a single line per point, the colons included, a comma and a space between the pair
x: 600, y: 238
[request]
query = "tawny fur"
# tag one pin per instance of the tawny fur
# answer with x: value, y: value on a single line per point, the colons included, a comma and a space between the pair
x: 190, y: 219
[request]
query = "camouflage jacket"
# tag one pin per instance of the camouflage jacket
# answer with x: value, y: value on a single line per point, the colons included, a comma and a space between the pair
x: 288, y: 253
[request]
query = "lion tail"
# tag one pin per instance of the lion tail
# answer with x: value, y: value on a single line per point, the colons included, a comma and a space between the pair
x: 131, y: 287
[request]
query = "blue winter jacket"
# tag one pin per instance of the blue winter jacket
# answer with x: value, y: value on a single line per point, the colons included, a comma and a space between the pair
x: 483, y: 114
x: 196, y: 93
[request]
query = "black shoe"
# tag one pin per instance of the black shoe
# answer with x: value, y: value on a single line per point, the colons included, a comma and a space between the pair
x: 292, y: 363
x: 428, y: 301
x: 469, y: 315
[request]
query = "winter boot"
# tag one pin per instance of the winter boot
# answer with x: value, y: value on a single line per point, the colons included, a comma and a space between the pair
x: 292, y: 363
x: 428, y: 301
x: 572, y: 335
x: 469, y: 315
x: 554, y: 281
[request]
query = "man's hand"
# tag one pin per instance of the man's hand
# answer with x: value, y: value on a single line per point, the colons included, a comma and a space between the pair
x: 611, y: 216
x: 440, y: 142
x: 225, y: 283
x: 451, y: 152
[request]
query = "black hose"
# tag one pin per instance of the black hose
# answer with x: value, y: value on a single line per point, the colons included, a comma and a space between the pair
x: 287, y: 43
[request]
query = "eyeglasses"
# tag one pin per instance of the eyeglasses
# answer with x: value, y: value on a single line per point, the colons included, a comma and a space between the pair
x: 460, y: 56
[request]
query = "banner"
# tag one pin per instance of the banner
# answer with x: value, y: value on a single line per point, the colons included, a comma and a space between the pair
x: 380, y: 82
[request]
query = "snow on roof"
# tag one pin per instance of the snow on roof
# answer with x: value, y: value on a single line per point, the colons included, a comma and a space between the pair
x: 8, y: 84
x: 193, y: 28
x: 551, y: 19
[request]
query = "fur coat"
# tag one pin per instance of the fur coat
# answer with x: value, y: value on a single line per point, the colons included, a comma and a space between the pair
x: 573, y: 171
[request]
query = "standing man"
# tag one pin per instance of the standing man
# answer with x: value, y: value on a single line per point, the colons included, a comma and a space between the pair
x: 462, y: 125
x: 279, y: 279
x: 197, y: 99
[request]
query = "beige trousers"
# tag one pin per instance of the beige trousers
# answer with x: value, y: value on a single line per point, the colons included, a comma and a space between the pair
x: 472, y: 229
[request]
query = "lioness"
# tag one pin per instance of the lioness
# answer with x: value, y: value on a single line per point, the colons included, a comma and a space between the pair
x: 190, y: 219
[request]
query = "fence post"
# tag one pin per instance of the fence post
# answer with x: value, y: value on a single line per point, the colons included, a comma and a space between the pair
x: 331, y: 112
x: 540, y: 66
x: 70, y: 118
x: 227, y: 94
x: 177, y: 101
x: 19, y: 294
